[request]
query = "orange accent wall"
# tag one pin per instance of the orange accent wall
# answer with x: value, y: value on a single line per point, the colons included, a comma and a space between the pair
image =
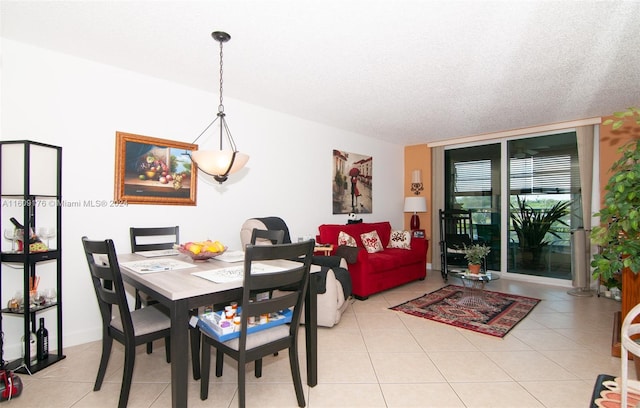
x: 418, y: 157
x: 610, y: 142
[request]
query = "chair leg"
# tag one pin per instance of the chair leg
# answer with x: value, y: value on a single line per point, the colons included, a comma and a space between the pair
x: 138, y: 300
x: 138, y: 306
x: 127, y: 375
x: 167, y: 348
x: 205, y: 368
x: 219, y: 362
x: 107, y: 342
x: 295, y: 373
x: 624, y: 390
x: 194, y: 335
x: 242, y: 366
x: 258, y: 369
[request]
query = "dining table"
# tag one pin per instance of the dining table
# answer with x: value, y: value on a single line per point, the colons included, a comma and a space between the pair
x: 181, y: 291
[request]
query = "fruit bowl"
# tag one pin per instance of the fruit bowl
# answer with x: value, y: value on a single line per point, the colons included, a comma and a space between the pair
x: 203, y: 255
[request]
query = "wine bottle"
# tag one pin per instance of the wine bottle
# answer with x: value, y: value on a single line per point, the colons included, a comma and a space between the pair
x: 42, y: 336
x: 33, y: 238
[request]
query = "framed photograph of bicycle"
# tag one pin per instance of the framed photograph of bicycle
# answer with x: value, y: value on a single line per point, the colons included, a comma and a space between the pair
x: 154, y: 171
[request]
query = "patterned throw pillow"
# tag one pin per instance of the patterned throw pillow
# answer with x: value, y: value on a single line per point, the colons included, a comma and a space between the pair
x: 371, y: 242
x: 346, y: 239
x: 400, y: 239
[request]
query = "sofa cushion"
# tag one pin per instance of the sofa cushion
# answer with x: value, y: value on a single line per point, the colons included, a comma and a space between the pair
x: 392, y: 258
x: 328, y: 233
x: 371, y: 242
x: 400, y: 240
x: 346, y: 239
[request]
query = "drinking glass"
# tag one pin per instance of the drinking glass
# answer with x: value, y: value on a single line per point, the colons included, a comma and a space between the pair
x: 47, y: 233
x: 11, y: 235
x: 50, y: 295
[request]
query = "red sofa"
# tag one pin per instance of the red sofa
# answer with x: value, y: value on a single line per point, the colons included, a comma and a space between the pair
x: 375, y: 272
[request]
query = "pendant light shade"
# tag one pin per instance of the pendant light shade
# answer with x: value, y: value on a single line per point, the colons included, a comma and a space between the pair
x: 216, y: 162
x: 220, y: 163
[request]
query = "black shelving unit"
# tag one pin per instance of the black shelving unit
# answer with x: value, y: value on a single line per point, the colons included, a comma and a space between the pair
x: 26, y: 157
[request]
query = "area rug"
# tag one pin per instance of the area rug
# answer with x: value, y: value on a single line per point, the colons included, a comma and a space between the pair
x: 503, y: 313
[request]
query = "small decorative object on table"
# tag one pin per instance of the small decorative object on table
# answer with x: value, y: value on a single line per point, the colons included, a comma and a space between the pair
x: 475, y: 254
x: 202, y: 250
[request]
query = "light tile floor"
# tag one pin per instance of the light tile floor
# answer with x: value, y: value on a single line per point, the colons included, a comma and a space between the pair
x: 377, y: 357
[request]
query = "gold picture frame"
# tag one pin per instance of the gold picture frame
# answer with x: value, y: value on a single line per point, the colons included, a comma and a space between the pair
x: 150, y: 170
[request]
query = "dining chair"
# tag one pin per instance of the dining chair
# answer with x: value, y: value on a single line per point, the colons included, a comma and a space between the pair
x: 252, y: 347
x: 131, y: 328
x: 456, y: 232
x: 260, y: 236
x: 628, y: 344
x: 267, y: 237
x: 152, y: 239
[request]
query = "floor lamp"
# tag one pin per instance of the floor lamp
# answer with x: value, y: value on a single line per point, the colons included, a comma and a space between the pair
x: 415, y: 205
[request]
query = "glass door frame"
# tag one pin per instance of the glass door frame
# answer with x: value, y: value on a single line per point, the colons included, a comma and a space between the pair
x: 505, y: 203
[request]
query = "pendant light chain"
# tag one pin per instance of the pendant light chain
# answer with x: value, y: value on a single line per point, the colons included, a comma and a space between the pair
x: 220, y: 163
x: 221, y: 106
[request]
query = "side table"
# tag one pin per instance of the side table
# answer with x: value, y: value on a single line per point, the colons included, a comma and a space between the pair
x: 474, y: 295
x: 324, y: 249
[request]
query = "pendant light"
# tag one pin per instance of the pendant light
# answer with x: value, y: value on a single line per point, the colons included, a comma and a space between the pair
x: 220, y: 163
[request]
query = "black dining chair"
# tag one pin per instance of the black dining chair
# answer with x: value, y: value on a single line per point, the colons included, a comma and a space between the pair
x: 252, y: 347
x: 131, y: 328
x: 152, y: 239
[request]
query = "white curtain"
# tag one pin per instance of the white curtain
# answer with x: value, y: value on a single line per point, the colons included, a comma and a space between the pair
x: 584, y: 136
x: 437, y: 202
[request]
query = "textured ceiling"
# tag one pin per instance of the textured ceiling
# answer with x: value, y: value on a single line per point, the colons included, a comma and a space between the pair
x: 403, y: 71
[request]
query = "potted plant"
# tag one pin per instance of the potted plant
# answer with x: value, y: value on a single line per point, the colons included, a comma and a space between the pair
x: 474, y: 254
x: 611, y: 283
x: 532, y: 226
x: 618, y: 234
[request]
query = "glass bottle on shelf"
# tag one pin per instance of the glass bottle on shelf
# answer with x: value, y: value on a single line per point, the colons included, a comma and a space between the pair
x: 42, y: 341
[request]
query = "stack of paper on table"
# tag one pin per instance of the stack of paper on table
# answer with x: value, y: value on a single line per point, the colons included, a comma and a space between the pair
x: 156, y: 265
x: 235, y: 273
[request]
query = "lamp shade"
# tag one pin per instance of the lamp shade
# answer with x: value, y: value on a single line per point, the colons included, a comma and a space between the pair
x: 217, y: 161
x: 415, y: 204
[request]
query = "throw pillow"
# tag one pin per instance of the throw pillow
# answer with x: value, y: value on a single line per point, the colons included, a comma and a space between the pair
x: 400, y: 239
x: 346, y: 239
x: 371, y: 242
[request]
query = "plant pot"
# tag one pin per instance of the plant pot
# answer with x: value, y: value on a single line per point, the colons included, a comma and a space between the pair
x: 473, y: 268
x: 607, y: 293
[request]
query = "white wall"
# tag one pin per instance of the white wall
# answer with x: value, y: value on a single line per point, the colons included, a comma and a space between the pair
x: 62, y: 100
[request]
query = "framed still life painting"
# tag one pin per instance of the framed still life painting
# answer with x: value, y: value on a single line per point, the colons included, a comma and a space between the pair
x: 154, y: 171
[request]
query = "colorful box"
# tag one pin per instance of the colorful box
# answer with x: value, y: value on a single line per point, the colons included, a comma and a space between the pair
x: 214, y: 325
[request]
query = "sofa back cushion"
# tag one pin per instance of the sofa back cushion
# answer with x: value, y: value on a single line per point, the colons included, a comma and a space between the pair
x: 371, y: 242
x: 328, y: 233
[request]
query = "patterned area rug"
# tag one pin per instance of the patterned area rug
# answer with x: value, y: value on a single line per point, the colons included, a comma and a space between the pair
x: 501, y: 313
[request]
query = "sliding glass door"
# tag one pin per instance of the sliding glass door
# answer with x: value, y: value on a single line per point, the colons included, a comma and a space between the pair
x: 473, y: 183
x: 544, y: 196
x: 525, y: 198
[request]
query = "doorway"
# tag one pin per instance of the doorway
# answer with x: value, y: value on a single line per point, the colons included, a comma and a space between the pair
x: 524, y: 195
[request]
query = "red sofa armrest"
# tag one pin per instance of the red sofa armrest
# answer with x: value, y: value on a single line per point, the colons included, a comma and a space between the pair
x: 420, y: 244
